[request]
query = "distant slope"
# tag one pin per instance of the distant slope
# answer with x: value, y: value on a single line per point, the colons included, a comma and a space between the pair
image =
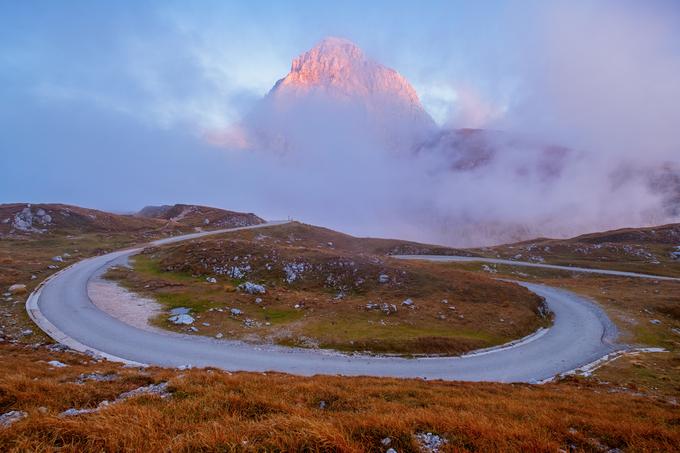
x: 664, y: 234
x: 652, y: 249
x: 310, y: 236
x: 21, y: 219
x: 199, y: 216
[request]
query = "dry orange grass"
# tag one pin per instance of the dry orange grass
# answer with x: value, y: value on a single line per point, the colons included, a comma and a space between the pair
x: 211, y: 410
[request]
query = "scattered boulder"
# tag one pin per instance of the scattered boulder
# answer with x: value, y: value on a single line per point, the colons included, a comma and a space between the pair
x: 294, y: 271
x: 384, y: 307
x: 211, y: 280
x: 219, y: 335
x: 74, y: 412
x: 26, y: 332
x: 182, y: 319
x: 96, y: 377
x: 383, y: 278
x: 489, y: 269
x: 153, y: 389
x: 386, y: 442
x: 238, y: 272
x: 236, y: 312
x: 656, y: 322
x: 56, y: 364
x: 57, y: 259
x: 17, y: 289
x: 252, y: 288
x: 258, y: 300
x: 11, y: 417
x: 409, y: 303
x: 676, y: 254
x: 430, y: 443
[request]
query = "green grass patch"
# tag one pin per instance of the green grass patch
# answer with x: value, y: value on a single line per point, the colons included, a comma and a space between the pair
x: 282, y: 316
x: 149, y: 267
x: 361, y: 329
x: 176, y: 300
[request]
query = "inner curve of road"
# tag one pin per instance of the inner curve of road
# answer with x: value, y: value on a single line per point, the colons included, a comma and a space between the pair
x: 581, y: 334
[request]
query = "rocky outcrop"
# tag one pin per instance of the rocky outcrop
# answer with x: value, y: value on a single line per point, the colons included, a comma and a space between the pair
x: 340, y: 68
x: 28, y: 221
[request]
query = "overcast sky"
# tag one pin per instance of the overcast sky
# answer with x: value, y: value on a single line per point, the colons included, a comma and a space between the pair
x: 106, y: 104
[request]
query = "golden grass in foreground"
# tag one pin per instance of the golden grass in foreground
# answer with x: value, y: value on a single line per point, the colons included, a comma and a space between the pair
x: 211, y: 410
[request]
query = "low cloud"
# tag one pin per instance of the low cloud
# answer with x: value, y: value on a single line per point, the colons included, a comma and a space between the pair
x: 579, y: 102
x: 587, y: 137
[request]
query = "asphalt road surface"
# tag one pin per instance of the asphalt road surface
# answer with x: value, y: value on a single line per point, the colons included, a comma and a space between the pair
x: 581, y: 334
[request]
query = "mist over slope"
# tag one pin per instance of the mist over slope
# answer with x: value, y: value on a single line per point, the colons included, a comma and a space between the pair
x: 346, y: 128
x: 549, y: 119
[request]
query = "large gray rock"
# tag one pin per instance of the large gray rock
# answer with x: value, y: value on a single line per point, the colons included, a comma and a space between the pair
x: 182, y: 319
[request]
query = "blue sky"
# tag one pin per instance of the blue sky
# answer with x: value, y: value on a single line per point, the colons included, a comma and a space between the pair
x: 129, y: 53
x: 105, y: 104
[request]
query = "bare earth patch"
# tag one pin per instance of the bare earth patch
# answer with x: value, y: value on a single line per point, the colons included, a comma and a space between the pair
x: 124, y: 305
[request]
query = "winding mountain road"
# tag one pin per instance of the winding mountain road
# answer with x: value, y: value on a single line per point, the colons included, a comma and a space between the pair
x: 585, y: 270
x: 581, y: 334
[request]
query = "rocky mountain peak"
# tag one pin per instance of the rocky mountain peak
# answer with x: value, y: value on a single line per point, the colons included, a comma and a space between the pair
x: 339, y: 68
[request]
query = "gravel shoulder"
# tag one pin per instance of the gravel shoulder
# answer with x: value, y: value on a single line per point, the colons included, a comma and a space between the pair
x: 128, y: 307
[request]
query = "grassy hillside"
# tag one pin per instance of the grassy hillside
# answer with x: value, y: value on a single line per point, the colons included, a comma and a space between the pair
x: 39, y: 239
x: 630, y: 404
x: 653, y: 250
x: 330, y: 290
